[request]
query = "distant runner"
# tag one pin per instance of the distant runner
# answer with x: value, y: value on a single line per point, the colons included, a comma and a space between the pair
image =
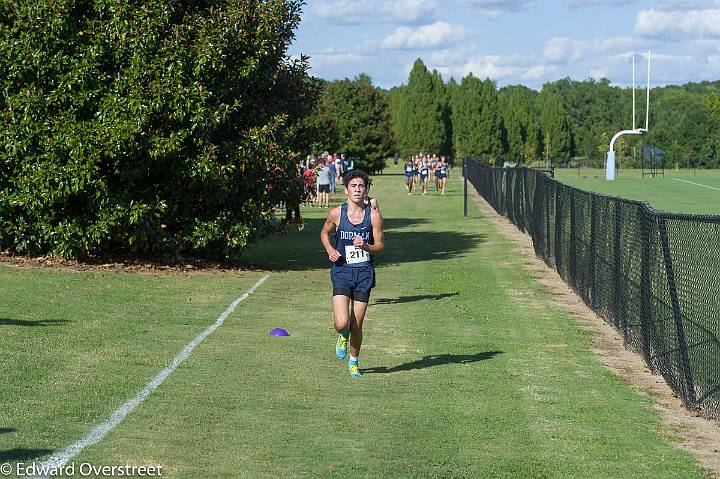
x: 409, y: 175
x: 442, y: 174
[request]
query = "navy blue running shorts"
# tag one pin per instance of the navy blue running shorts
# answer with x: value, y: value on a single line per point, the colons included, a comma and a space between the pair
x: 353, y: 282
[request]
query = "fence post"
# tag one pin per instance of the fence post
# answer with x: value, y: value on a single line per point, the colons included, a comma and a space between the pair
x: 645, y: 286
x: 689, y: 398
x: 506, y: 192
x: 618, y: 299
x: 573, y: 244
x: 558, y: 227
x: 546, y: 184
x: 464, y: 171
x: 519, y: 200
x: 592, y: 255
x: 529, y: 201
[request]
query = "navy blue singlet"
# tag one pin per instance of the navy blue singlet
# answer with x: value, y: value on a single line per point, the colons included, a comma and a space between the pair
x: 345, y: 233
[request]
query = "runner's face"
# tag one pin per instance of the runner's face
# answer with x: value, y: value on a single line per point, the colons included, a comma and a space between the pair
x: 356, y: 190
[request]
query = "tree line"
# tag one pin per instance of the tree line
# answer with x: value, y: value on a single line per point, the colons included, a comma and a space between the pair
x: 567, y: 122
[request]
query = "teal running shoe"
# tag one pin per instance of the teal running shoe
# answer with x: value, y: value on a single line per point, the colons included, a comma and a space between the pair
x: 341, y: 347
x: 354, y: 371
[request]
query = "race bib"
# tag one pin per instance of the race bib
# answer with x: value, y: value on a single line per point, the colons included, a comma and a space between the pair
x: 353, y: 255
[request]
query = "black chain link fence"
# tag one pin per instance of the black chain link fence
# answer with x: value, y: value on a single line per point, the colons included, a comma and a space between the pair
x: 654, y: 276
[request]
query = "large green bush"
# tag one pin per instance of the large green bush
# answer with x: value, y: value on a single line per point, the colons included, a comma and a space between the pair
x: 156, y: 127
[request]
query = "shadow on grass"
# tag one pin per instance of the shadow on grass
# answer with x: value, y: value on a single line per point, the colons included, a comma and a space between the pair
x: 25, y: 322
x: 21, y: 454
x: 417, y: 297
x: 435, y: 360
x: 5, y: 430
x: 394, y: 224
x: 301, y: 250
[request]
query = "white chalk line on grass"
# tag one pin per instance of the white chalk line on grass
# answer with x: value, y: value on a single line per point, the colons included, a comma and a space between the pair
x: 96, y: 434
x: 697, y: 184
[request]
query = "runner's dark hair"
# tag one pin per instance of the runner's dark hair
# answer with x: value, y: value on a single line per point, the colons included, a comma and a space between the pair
x: 351, y: 175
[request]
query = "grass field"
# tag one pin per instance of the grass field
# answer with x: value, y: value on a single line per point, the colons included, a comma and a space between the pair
x: 679, y: 191
x: 470, y: 370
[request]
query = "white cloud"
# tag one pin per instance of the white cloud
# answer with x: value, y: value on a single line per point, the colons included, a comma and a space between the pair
x: 493, y: 8
x: 333, y: 58
x: 660, y: 4
x: 439, y: 34
x: 599, y: 72
x: 665, y: 69
x: 706, y: 45
x: 374, y: 11
x: 495, y: 67
x: 686, y: 4
x: 447, y: 57
x: 491, y: 66
x: 562, y: 50
x: 409, y: 11
x: 618, y: 44
x: 678, y: 24
x: 617, y: 68
x: 678, y: 69
x: 537, y: 72
x: 592, y: 3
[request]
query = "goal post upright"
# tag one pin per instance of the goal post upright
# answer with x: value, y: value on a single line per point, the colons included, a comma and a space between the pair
x: 610, y: 163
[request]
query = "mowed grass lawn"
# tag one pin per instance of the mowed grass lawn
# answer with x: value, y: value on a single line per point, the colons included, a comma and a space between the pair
x: 679, y: 191
x: 470, y: 370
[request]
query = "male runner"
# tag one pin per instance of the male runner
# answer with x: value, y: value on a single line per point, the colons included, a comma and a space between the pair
x: 409, y: 175
x: 442, y: 174
x: 358, y: 237
x: 424, y: 169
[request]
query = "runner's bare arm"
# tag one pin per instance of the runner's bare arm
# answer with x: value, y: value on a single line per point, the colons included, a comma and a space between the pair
x: 378, y: 236
x: 333, y: 218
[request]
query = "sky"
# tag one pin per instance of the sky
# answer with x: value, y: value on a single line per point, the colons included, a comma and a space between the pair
x: 512, y: 41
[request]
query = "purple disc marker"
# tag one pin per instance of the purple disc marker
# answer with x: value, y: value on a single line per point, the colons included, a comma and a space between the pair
x: 279, y: 332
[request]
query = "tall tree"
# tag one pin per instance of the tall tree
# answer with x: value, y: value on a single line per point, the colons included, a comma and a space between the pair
x: 466, y: 114
x: 711, y: 102
x: 421, y: 114
x: 360, y: 116
x: 554, y: 127
x: 396, y: 97
x: 491, y: 125
x: 533, y: 140
x: 452, y: 90
x: 477, y: 124
x: 446, y: 112
x: 518, y: 121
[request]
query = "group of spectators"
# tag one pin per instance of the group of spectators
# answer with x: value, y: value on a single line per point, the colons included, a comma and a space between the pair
x: 321, y: 176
